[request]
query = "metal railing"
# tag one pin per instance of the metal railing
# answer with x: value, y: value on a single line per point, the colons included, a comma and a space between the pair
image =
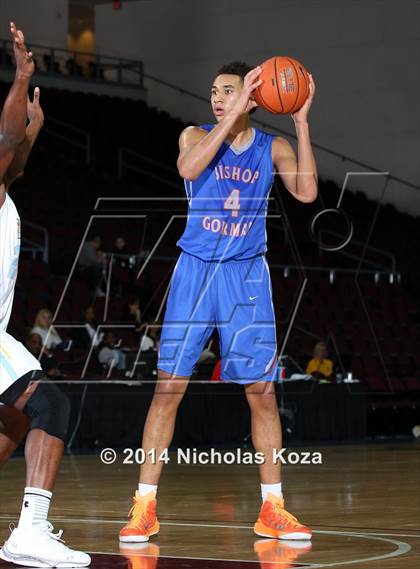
x: 33, y: 247
x: 69, y: 134
x: 390, y: 265
x: 79, y: 65
x: 130, y: 161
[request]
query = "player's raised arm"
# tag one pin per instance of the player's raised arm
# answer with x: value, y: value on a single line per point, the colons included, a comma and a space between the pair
x: 197, y: 148
x: 36, y: 120
x: 13, y: 117
x: 299, y: 175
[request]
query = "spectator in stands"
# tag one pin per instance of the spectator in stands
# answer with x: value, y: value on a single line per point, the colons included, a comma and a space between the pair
x: 123, y: 262
x: 154, y: 332
x: 89, y: 333
x: 110, y: 355
x: 151, y: 336
x: 120, y: 245
x: 320, y: 367
x: 122, y: 255
x: 91, y: 264
x: 133, y: 312
x: 48, y: 362
x: 207, y: 357
x: 43, y: 326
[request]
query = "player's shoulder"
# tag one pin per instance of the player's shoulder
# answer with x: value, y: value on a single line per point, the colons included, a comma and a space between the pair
x: 281, y: 147
x: 192, y: 134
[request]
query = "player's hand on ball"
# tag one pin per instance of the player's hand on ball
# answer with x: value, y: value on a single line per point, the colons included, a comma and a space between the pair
x: 24, y: 59
x: 245, y: 101
x: 301, y: 116
x: 34, y: 109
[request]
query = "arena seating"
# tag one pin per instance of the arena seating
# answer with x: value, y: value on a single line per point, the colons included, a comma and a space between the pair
x: 374, y: 327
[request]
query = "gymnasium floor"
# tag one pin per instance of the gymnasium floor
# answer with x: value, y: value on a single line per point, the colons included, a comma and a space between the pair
x: 363, y: 504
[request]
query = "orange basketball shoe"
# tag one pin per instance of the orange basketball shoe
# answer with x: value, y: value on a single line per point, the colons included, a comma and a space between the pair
x: 275, y: 521
x: 143, y: 519
x: 273, y: 554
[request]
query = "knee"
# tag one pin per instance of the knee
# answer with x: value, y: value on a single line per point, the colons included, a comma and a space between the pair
x: 263, y: 403
x: 166, y: 402
x: 49, y: 410
x: 13, y: 424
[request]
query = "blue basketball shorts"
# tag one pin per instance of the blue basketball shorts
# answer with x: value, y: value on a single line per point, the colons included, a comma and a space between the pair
x: 234, y: 297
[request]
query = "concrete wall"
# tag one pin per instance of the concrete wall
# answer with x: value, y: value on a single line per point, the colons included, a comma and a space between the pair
x: 363, y: 55
x: 44, y: 22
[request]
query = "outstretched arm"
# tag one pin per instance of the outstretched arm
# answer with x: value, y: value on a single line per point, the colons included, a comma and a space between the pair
x: 299, y: 175
x: 13, y: 117
x: 36, y: 120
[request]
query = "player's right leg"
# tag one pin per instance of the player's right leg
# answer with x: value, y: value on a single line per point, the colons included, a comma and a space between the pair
x: 157, y: 436
x: 188, y: 323
x: 33, y: 542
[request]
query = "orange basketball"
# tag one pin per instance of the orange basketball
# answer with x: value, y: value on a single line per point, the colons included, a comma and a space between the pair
x: 285, y: 85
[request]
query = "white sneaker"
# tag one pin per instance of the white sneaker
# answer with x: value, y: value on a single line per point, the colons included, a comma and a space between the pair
x: 39, y: 547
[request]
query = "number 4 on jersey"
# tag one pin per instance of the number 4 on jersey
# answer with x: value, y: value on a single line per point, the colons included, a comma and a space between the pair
x: 232, y: 202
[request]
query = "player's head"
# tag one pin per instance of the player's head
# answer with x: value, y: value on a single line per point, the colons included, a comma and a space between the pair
x: 320, y: 350
x: 89, y: 314
x: 109, y: 339
x: 227, y: 85
x: 120, y: 243
x: 95, y: 240
x: 34, y: 344
x: 43, y: 319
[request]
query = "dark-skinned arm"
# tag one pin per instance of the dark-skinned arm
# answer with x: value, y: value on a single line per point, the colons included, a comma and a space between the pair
x: 36, y: 120
x: 13, y: 117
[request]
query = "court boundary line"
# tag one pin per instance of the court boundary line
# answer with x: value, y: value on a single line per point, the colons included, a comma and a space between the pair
x: 402, y: 548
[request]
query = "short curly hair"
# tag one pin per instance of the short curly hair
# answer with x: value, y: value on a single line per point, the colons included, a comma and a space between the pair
x: 236, y: 68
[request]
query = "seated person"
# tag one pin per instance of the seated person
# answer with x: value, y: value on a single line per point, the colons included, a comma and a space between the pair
x: 132, y: 312
x: 91, y: 264
x: 49, y: 335
x: 48, y: 363
x: 122, y: 257
x: 110, y: 355
x: 320, y: 367
x: 85, y: 337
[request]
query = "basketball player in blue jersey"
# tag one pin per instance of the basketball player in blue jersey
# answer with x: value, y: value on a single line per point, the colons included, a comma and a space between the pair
x: 221, y: 281
x: 28, y: 406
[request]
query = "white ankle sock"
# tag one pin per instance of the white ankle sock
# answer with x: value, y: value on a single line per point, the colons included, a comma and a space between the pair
x: 274, y: 489
x: 35, y: 506
x: 146, y: 488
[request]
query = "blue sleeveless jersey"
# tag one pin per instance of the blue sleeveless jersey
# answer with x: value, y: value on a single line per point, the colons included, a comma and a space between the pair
x: 227, y: 203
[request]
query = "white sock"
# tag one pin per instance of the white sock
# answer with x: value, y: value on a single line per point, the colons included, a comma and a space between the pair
x: 35, y: 506
x: 144, y: 489
x: 274, y: 489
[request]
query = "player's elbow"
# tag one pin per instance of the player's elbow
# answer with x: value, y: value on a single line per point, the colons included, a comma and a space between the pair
x: 187, y: 172
x: 309, y: 198
x: 9, y: 140
x: 307, y: 193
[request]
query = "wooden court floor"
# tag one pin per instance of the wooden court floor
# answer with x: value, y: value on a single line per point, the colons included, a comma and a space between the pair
x: 363, y: 503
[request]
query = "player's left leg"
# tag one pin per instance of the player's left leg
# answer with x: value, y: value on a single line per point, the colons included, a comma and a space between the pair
x: 246, y: 324
x: 33, y: 542
x: 273, y: 520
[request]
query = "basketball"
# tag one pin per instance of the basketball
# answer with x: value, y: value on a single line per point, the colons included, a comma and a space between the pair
x: 284, y: 87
